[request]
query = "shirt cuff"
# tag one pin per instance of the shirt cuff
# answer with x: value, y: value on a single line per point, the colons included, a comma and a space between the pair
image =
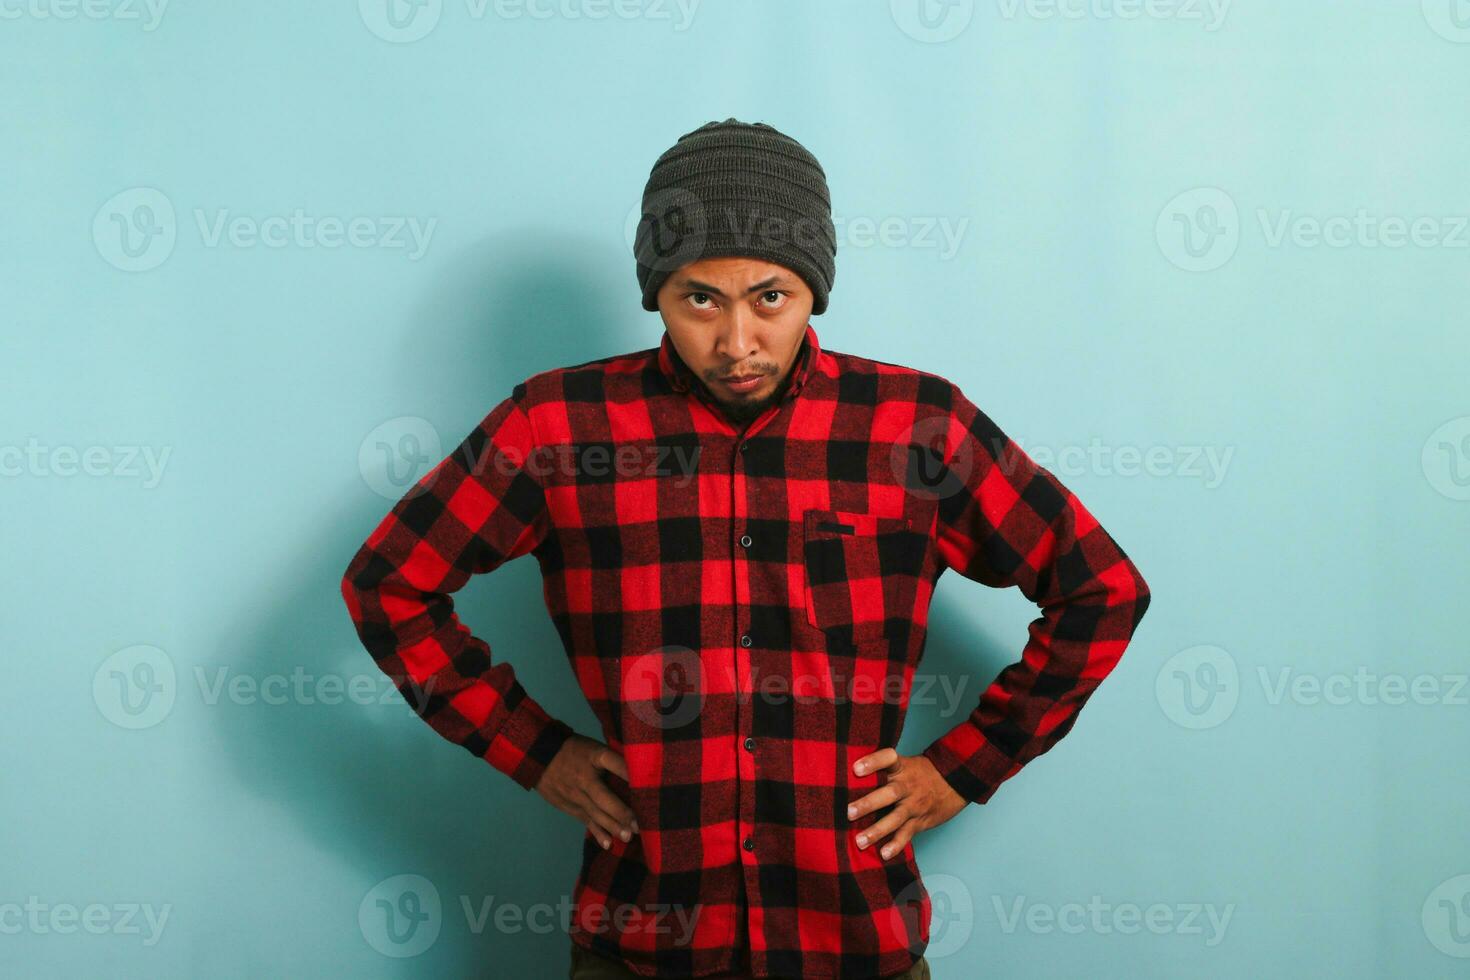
x: 527, y: 742
x: 968, y: 762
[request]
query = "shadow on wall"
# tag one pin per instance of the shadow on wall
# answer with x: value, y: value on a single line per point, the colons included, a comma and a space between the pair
x: 371, y: 783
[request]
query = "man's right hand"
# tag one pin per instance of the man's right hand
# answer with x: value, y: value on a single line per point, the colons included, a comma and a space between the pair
x: 573, y: 784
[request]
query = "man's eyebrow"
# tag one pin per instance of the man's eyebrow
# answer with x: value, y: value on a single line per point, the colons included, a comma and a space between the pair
x: 704, y: 287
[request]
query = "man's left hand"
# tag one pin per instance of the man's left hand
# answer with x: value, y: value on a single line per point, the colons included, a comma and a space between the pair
x: 921, y: 799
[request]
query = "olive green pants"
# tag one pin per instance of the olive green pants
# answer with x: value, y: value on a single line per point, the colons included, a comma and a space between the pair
x: 589, y: 966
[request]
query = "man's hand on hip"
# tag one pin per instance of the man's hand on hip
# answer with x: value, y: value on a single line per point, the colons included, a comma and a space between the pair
x: 573, y: 784
x: 921, y: 799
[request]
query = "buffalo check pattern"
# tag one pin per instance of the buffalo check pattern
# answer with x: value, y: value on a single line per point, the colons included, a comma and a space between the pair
x: 744, y: 610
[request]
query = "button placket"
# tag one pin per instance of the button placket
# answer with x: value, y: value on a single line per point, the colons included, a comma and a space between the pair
x: 745, y: 768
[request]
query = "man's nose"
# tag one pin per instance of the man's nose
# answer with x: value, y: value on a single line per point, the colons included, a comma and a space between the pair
x: 737, y: 338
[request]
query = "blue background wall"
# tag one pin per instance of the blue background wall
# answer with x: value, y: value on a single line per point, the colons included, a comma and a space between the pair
x: 1155, y: 244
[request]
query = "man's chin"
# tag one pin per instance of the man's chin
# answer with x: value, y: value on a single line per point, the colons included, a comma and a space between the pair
x: 744, y: 409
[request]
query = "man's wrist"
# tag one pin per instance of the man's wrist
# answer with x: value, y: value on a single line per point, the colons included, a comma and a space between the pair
x: 961, y: 778
x: 527, y: 742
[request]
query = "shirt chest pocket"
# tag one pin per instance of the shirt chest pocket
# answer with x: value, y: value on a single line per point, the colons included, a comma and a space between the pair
x: 862, y: 573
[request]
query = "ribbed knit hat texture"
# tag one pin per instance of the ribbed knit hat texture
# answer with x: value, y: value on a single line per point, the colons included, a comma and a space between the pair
x: 734, y: 188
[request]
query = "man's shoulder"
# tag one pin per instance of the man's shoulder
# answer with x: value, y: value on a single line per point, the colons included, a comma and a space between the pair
x: 585, y: 380
x: 926, y: 386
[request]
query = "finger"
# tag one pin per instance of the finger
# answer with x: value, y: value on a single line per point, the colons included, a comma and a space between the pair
x: 613, y: 808
x: 599, y: 835
x: 881, y: 759
x: 882, y: 828
x: 601, y: 826
x: 601, y: 817
x: 900, y: 840
x: 879, y: 798
x: 612, y: 762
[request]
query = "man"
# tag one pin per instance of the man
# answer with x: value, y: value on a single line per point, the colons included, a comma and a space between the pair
x: 739, y: 533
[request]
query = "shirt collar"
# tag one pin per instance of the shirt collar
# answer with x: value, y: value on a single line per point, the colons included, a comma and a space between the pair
x: 683, y: 379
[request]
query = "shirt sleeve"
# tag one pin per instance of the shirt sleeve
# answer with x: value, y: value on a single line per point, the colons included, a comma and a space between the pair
x: 1006, y: 521
x: 477, y: 509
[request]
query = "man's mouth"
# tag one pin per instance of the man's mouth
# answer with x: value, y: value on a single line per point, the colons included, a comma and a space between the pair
x: 741, y: 382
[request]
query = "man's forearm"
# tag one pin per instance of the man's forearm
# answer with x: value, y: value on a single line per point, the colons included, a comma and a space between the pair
x: 473, y: 512
x: 1010, y: 522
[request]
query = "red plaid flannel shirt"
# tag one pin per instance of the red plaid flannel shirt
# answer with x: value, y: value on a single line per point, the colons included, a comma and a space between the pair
x: 744, y: 611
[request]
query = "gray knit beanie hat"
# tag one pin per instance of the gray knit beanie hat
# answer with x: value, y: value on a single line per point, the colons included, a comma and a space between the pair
x: 736, y: 188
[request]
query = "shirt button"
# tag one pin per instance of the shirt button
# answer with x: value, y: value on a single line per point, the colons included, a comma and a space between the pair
x: 744, y: 446
x: 750, y: 745
x: 745, y: 541
x: 745, y: 640
x: 749, y: 844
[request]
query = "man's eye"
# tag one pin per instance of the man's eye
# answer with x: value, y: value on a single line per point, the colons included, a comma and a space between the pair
x: 698, y: 298
x: 776, y: 293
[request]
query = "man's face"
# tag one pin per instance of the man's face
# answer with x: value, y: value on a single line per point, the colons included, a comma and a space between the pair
x: 737, y: 318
